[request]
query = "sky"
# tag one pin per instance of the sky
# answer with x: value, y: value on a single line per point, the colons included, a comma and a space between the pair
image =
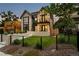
x: 18, y: 8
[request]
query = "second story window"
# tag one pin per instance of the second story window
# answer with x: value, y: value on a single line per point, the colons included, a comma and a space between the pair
x: 43, y: 18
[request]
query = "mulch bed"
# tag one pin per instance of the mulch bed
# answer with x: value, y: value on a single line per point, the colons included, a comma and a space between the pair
x: 63, y: 50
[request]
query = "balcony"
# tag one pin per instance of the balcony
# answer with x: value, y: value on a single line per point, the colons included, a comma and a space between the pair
x: 42, y: 21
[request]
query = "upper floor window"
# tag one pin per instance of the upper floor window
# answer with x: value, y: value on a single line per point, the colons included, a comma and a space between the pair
x: 43, y: 17
x: 26, y: 20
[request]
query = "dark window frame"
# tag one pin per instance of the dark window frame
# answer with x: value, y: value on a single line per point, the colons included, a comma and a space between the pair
x: 27, y: 24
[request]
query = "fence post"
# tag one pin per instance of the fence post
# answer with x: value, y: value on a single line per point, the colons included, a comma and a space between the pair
x: 41, y: 42
x: 22, y: 40
x: 1, y: 37
x: 10, y: 39
x: 78, y: 40
x: 56, y: 42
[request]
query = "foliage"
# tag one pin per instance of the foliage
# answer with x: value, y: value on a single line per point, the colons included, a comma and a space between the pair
x: 64, y: 12
x: 38, y: 46
x: 17, y: 42
x: 61, y: 39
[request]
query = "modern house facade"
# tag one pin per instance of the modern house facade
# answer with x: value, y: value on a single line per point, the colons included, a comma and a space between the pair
x: 26, y: 21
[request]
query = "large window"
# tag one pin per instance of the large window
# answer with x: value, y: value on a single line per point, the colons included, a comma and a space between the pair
x: 43, y: 18
x: 26, y: 23
x: 43, y: 28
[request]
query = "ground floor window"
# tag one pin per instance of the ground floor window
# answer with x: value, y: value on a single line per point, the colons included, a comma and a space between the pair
x: 43, y: 28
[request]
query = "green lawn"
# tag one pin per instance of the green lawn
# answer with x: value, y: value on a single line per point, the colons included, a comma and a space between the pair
x: 35, y: 41
x: 46, y: 41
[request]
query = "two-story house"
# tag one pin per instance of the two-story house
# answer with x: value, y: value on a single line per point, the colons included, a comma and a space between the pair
x: 37, y: 21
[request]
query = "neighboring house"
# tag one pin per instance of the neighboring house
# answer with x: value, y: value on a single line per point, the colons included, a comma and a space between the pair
x: 26, y: 21
x: 8, y: 26
x: 12, y: 26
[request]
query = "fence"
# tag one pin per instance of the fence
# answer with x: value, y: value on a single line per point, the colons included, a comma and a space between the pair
x: 11, y: 37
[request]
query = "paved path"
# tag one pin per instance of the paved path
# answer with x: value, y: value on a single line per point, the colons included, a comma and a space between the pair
x: 2, y: 44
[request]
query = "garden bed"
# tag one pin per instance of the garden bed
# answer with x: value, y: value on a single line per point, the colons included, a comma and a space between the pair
x: 63, y: 50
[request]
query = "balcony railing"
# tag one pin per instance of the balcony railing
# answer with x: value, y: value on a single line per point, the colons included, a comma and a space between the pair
x: 45, y: 21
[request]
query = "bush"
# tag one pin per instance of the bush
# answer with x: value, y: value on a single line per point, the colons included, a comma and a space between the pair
x: 6, y: 33
x: 62, y: 40
x: 38, y: 46
x: 17, y: 42
x: 26, y: 44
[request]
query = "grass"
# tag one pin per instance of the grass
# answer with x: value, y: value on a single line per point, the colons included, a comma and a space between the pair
x: 46, y: 41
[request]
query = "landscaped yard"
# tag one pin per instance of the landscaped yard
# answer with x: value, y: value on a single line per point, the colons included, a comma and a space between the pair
x: 34, y: 40
x: 48, y: 44
x: 48, y: 41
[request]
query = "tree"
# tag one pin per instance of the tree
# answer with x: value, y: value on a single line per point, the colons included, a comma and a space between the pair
x: 7, y: 18
x: 66, y: 22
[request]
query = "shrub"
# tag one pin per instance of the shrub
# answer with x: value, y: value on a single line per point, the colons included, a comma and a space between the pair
x: 38, y: 46
x: 62, y: 40
x: 17, y: 42
x: 26, y: 44
x: 6, y: 33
